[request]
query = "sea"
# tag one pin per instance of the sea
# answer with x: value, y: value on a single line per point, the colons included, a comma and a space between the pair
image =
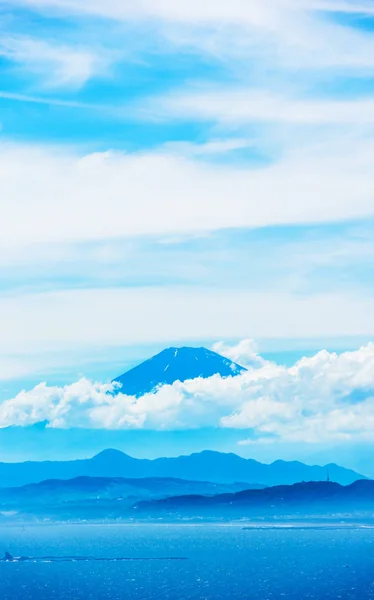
x: 221, y: 561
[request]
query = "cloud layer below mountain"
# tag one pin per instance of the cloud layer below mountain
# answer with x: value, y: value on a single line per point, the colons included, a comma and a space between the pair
x: 327, y: 397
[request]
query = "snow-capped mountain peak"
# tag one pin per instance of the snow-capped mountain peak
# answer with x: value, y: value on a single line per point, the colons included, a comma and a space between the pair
x: 176, y: 364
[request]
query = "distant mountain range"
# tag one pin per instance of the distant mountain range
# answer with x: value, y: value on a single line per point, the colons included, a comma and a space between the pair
x: 175, y: 364
x: 310, y: 499
x: 111, y: 499
x: 53, y: 495
x: 115, y: 487
x: 204, y: 466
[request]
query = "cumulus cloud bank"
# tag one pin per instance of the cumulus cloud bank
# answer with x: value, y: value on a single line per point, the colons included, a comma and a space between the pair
x: 325, y: 397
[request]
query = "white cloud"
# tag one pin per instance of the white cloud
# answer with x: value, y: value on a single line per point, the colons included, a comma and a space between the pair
x: 211, y: 148
x: 74, y: 319
x: 252, y: 11
x: 291, y: 33
x: 249, y: 105
x: 55, y: 65
x: 64, y: 197
x: 313, y: 401
x: 244, y: 353
x: 45, y: 100
x: 365, y: 7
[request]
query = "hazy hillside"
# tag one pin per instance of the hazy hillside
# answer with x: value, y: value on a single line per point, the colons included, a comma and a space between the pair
x: 323, y: 499
x: 204, y: 466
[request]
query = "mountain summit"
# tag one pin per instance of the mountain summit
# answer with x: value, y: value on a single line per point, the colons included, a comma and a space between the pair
x: 176, y: 364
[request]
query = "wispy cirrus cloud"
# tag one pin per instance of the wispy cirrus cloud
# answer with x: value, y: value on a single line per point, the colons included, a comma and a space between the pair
x: 362, y: 7
x: 55, y: 65
x: 251, y: 10
x: 281, y: 32
x: 105, y: 317
x: 260, y: 106
x: 55, y: 189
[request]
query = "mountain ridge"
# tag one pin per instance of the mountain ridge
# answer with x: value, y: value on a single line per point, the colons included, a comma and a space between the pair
x: 97, y: 488
x: 110, y: 500
x: 208, y: 465
x: 307, y: 499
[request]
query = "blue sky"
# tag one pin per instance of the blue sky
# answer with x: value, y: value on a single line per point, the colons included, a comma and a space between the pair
x: 182, y: 174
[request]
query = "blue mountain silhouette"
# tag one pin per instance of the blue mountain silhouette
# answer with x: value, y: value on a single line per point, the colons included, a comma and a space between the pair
x: 312, y: 499
x: 204, y: 466
x: 175, y: 364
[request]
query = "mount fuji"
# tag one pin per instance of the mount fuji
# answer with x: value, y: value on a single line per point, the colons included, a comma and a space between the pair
x: 175, y: 364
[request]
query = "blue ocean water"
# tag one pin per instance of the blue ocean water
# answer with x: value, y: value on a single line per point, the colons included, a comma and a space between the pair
x: 223, y: 562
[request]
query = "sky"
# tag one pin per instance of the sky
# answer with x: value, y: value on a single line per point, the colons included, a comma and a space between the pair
x: 188, y: 173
